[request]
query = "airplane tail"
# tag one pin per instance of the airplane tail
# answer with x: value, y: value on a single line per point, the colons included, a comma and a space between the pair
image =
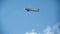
x: 38, y: 9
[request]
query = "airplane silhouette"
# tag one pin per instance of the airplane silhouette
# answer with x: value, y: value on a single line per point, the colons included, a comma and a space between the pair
x: 33, y: 10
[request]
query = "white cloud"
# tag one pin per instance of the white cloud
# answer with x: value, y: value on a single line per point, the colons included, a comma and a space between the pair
x: 52, y: 30
x: 26, y: 33
x: 33, y: 32
x: 48, y: 30
x: 56, y: 28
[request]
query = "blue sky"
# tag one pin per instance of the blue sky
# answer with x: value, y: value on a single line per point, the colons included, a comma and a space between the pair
x: 15, y: 20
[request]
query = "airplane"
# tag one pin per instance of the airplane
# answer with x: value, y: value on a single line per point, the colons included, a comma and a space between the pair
x: 33, y: 10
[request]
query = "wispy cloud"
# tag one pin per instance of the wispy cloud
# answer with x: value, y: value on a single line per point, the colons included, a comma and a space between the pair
x: 48, y: 30
x: 55, y: 29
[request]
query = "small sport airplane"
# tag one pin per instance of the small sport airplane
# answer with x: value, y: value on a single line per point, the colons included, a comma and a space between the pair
x: 33, y: 10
